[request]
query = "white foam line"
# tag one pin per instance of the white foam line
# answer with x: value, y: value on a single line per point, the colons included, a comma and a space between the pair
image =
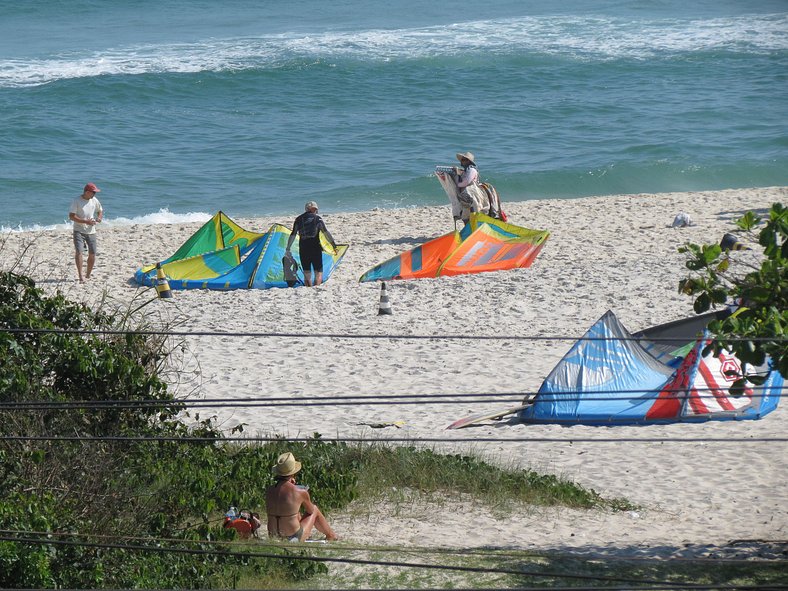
x: 163, y: 216
x: 582, y: 37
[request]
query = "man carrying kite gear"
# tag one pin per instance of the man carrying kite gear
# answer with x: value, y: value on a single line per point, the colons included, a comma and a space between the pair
x: 308, y: 227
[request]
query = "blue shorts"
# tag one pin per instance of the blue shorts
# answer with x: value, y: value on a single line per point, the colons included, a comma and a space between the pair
x: 85, y: 241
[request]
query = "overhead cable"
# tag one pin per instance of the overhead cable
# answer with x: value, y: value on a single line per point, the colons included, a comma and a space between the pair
x: 290, y: 556
x: 276, y: 438
x: 295, y: 335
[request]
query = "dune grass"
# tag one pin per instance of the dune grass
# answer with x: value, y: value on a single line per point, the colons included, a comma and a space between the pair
x: 387, y: 469
x: 384, y: 472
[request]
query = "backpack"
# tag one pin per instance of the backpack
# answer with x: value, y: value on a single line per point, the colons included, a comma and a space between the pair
x: 495, y: 210
x: 290, y: 267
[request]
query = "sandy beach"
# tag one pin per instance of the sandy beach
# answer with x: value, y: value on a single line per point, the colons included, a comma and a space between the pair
x: 613, y: 252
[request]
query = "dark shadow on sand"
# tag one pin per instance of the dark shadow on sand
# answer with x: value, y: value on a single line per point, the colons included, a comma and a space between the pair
x: 599, y: 566
x: 733, y: 215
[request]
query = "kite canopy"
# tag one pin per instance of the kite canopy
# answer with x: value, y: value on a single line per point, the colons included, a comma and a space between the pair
x: 485, y: 244
x: 221, y: 255
x: 672, y: 341
x: 609, y: 378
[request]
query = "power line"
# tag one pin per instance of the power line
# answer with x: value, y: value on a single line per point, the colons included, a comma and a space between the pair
x: 303, y: 402
x: 345, y: 547
x: 666, y: 587
x: 279, y: 439
x: 381, y: 399
x: 474, y: 337
x: 358, y: 561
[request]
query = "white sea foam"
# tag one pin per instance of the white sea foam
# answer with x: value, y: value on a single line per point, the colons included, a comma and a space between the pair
x: 163, y: 216
x: 600, y: 38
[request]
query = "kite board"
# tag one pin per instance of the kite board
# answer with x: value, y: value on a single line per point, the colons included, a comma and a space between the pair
x: 487, y: 416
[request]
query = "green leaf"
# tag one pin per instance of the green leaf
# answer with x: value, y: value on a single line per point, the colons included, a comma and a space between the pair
x: 748, y: 221
x: 702, y: 304
x: 711, y: 252
x: 758, y: 294
x: 738, y: 388
x: 758, y: 379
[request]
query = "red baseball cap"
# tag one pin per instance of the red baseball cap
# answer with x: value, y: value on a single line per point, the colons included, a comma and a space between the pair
x: 92, y: 188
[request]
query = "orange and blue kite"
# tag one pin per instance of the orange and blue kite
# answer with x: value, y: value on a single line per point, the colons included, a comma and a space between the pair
x: 484, y: 244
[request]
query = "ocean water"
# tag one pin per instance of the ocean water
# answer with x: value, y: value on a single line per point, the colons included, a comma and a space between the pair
x: 179, y: 109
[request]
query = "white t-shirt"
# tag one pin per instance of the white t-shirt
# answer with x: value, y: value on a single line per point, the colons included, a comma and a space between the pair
x: 85, y: 209
x: 468, y: 177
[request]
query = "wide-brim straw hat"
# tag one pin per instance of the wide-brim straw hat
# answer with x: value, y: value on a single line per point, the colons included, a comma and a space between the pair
x: 468, y: 155
x: 286, y: 465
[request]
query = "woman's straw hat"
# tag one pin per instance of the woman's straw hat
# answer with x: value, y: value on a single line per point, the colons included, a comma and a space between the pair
x: 286, y: 465
x: 468, y: 155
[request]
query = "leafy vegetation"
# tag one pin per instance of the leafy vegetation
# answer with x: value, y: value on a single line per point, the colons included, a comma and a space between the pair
x: 106, y: 513
x: 758, y: 329
x: 76, y: 380
x: 109, y: 489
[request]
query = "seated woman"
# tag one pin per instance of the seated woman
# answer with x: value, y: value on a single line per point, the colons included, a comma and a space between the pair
x: 284, y: 501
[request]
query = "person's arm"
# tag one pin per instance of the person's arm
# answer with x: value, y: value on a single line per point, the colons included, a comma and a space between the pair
x: 291, y: 239
x: 322, y: 227
x: 468, y: 177
x: 306, y: 502
x: 88, y: 222
x: 100, y: 215
x: 331, y: 239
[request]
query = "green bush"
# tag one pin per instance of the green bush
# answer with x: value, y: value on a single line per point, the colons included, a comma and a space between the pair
x: 150, y: 493
x: 757, y: 330
x: 73, y: 491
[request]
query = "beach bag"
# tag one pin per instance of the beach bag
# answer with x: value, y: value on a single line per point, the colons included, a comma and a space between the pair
x: 474, y: 198
x: 290, y: 268
x: 494, y: 210
x: 245, y: 523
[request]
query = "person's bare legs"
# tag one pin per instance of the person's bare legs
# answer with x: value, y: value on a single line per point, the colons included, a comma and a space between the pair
x: 318, y: 277
x: 91, y: 262
x: 78, y: 261
x: 318, y: 521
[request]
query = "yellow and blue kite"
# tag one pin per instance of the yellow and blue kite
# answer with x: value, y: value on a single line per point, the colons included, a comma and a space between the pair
x: 221, y: 255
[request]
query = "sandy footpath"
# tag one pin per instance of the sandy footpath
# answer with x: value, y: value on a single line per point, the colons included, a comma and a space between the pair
x: 614, y: 252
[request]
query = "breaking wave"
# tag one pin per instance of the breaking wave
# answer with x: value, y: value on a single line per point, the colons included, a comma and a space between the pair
x: 584, y: 38
x: 163, y: 216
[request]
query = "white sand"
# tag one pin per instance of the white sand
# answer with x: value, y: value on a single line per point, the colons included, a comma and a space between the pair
x: 615, y: 252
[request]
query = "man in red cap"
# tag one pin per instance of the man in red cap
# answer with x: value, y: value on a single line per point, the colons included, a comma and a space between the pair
x: 86, y: 212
